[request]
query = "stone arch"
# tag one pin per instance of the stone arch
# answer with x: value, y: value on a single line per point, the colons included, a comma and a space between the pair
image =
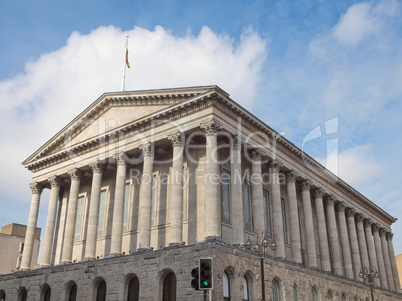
x: 98, y: 288
x: 131, y: 287
x: 2, y: 295
x: 277, y: 284
x: 22, y: 294
x: 249, y: 278
x: 295, y: 291
x: 314, y: 293
x: 167, y: 285
x: 45, y: 292
x: 229, y: 272
x: 70, y: 291
x: 329, y: 295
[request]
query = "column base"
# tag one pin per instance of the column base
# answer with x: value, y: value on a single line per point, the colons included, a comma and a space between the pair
x: 177, y: 244
x: 145, y: 249
x: 24, y: 269
x: 46, y: 265
x: 115, y: 254
x: 88, y: 259
x: 212, y: 238
x: 65, y: 262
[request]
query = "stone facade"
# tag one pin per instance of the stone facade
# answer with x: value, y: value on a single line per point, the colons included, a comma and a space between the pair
x: 144, y: 183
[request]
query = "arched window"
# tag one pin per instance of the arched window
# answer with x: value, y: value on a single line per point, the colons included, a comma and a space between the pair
x: 45, y: 293
x: 101, y: 291
x: 314, y: 295
x: 22, y: 295
x: 226, y: 287
x: 295, y: 293
x: 133, y: 290
x: 343, y: 297
x: 245, y: 288
x: 71, y: 291
x: 169, y: 287
x: 275, y: 291
x: 2, y: 295
x: 329, y: 296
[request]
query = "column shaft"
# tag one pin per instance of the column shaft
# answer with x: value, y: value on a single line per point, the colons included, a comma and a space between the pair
x: 380, y: 257
x: 347, y: 259
x: 393, y: 262
x: 176, y: 205
x: 322, y: 231
x: 333, y: 237
x: 144, y: 241
x: 277, y: 209
x: 68, y: 243
x: 257, y: 199
x: 212, y: 204
x: 354, y: 242
x: 237, y: 214
x: 31, y: 227
x: 50, y: 221
x: 370, y: 248
x: 118, y: 208
x: 309, y: 225
x: 294, y: 217
x: 92, y: 230
x: 387, y: 261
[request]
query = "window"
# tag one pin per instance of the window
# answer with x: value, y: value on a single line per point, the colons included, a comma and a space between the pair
x: 226, y: 287
x: 72, y: 294
x: 329, y: 296
x: 313, y: 295
x: 295, y: 293
x: 126, y: 207
x: 2, y: 295
x: 133, y: 289
x: 285, y: 224
x: 153, y: 204
x: 46, y: 292
x: 267, y: 211
x: 248, y: 223
x: 246, y: 292
x: 22, y: 295
x: 21, y: 247
x: 226, y: 197
x: 169, y: 287
x: 102, y: 210
x: 78, y: 221
x: 19, y: 262
x: 275, y: 291
x: 101, y: 291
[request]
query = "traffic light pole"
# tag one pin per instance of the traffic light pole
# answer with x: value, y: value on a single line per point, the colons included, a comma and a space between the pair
x: 205, y: 295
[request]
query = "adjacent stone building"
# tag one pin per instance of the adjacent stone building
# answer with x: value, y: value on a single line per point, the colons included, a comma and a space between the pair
x: 144, y: 183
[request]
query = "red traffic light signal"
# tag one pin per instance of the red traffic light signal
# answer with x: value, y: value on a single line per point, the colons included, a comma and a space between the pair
x: 195, y: 281
x: 206, y: 272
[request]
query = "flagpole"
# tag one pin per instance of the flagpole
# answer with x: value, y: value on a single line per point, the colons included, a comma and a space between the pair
x: 123, y: 80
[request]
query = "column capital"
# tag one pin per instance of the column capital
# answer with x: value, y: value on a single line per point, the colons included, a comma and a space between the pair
x: 330, y: 200
x: 275, y: 165
x: 177, y: 139
x: 367, y: 222
x: 120, y: 158
x: 306, y: 185
x: 375, y: 227
x: 359, y: 217
x: 319, y: 193
x: 256, y: 154
x: 350, y: 212
x: 146, y: 149
x: 74, y: 174
x: 291, y: 176
x: 389, y: 236
x: 36, y: 188
x: 211, y: 127
x: 382, y: 231
x: 236, y: 141
x: 341, y: 207
x: 54, y: 181
x: 97, y: 166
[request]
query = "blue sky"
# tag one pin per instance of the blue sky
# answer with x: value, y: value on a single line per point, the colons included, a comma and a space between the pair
x: 294, y: 64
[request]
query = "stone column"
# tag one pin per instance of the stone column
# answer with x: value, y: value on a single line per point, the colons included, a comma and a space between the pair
x: 380, y: 256
x: 144, y: 241
x: 294, y: 216
x: 67, y: 253
x: 308, y: 224
x: 176, y: 203
x: 393, y: 262
x: 212, y: 173
x: 387, y: 261
x: 275, y: 165
x: 347, y: 259
x: 370, y: 247
x: 333, y: 236
x: 354, y: 242
x: 31, y: 227
x: 322, y: 231
x: 236, y: 188
x: 92, y: 230
x: 50, y: 221
x: 118, y: 208
x: 257, y: 199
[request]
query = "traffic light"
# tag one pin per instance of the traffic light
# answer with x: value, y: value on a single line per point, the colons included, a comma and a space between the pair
x: 195, y: 282
x: 206, y: 273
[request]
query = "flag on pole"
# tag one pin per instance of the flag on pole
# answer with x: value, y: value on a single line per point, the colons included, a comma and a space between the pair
x: 127, y: 62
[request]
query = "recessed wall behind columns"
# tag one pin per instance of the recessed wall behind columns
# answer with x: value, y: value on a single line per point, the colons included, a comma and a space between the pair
x: 150, y: 266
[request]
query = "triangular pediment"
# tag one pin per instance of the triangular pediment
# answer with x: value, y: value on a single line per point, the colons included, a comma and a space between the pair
x: 113, y: 111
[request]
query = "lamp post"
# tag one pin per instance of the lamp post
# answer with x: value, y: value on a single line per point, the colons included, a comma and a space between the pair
x: 369, y: 274
x: 261, y: 243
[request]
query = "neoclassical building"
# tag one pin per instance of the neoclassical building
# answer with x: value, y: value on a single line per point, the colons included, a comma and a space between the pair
x: 144, y: 183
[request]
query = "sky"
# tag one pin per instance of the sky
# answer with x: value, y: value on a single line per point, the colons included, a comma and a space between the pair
x: 327, y: 75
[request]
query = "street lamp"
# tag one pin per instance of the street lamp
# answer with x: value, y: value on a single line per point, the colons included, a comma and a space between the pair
x: 261, y: 243
x: 365, y: 274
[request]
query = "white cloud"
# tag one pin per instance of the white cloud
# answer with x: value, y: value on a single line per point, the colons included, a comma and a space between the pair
x: 59, y: 85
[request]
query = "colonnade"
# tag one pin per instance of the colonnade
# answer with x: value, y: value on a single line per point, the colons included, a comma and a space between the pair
x: 343, y: 233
